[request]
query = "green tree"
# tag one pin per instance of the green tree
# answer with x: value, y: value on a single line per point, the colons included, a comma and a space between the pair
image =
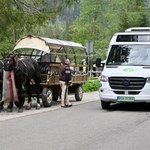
x: 131, y: 13
x: 99, y: 20
x: 59, y: 26
x: 92, y: 25
x: 18, y: 16
x: 91, y: 22
x: 21, y: 17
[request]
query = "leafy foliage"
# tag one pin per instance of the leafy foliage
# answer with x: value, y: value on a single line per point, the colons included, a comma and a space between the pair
x: 96, y: 20
x: 22, y: 17
x: 91, y: 85
x: 99, y: 20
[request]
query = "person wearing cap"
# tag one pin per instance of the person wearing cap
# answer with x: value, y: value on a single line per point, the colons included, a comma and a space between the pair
x: 64, y: 80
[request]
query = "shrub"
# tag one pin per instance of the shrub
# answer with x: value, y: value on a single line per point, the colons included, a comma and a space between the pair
x: 91, y: 85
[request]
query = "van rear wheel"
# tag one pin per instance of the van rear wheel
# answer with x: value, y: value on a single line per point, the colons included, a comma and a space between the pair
x: 105, y: 105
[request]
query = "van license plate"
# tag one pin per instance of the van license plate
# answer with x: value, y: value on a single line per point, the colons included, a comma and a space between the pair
x: 125, y: 99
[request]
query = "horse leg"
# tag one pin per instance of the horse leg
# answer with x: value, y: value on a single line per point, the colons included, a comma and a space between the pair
x: 10, y: 107
x: 21, y: 99
x: 38, y: 106
x: 27, y: 86
x: 28, y: 105
x: 1, y: 103
x: 21, y: 102
x: 37, y: 89
x: 1, y: 106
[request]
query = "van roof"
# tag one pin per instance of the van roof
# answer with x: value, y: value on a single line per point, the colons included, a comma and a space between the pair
x: 138, y: 29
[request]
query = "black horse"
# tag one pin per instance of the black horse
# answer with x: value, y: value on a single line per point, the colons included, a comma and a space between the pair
x: 25, y: 70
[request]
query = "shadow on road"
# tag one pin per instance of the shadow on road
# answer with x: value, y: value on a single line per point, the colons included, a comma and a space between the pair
x: 130, y: 107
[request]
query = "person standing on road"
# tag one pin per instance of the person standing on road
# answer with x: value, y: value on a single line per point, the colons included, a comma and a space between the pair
x: 64, y: 80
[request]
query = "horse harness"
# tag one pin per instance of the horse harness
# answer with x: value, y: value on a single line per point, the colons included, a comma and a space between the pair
x: 26, y: 71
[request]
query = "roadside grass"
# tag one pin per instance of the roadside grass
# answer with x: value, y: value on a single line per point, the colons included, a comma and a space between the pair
x: 91, y: 85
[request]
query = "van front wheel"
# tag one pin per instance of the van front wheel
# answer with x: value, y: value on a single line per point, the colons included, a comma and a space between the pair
x: 105, y: 105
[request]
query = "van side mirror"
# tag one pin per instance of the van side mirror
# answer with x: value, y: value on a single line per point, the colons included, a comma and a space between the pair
x: 98, y: 62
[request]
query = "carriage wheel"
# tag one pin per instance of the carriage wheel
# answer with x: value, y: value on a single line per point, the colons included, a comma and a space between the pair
x: 79, y: 93
x: 47, y: 97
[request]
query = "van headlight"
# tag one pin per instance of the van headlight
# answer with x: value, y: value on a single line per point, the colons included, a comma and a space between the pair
x: 104, y: 78
x: 148, y: 80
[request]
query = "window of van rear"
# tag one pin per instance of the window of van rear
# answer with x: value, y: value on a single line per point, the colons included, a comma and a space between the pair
x: 133, y: 38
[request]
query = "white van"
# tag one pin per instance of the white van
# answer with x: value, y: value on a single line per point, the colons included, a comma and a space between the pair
x: 126, y: 74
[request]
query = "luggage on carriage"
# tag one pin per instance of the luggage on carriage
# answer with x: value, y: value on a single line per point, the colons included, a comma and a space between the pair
x: 50, y: 53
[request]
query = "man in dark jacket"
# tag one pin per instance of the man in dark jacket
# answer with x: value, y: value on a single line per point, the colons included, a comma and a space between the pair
x: 64, y: 80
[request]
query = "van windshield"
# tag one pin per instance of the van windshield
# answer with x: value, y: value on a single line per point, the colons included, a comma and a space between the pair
x: 138, y: 55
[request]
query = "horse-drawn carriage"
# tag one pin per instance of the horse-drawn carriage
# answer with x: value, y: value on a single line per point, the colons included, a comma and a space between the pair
x: 50, y: 53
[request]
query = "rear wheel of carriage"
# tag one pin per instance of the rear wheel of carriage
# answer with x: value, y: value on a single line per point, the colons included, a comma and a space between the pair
x: 47, y: 97
x: 79, y: 93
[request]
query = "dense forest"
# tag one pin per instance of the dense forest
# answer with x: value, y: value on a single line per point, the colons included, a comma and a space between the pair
x: 74, y: 20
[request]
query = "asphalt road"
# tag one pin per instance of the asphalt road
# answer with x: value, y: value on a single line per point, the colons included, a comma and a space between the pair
x: 85, y: 126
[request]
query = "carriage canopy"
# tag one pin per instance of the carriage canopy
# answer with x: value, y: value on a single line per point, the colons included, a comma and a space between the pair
x: 44, y: 44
